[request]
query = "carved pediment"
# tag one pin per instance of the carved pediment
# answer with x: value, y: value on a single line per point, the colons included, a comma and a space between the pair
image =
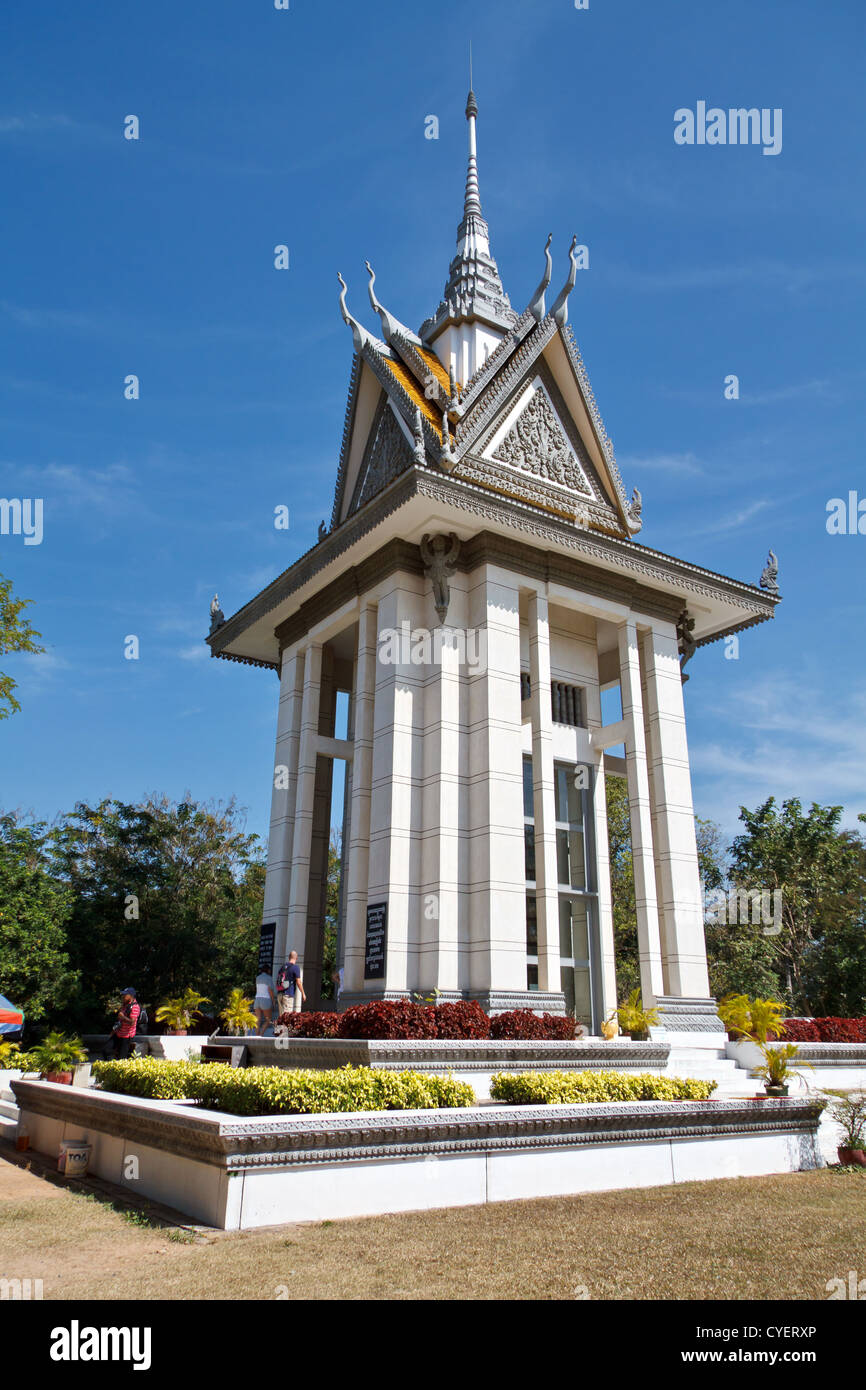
x: 535, y: 442
x: 387, y: 455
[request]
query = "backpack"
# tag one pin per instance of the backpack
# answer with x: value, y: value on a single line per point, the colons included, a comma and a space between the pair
x: 142, y: 1021
x: 283, y: 980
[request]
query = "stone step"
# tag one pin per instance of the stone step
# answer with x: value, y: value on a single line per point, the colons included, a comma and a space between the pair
x: 8, y: 1109
x: 8, y: 1129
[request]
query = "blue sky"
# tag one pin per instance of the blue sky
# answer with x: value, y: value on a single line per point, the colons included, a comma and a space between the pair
x: 306, y: 127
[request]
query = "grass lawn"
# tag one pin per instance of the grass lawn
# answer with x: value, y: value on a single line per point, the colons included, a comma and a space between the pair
x: 766, y: 1238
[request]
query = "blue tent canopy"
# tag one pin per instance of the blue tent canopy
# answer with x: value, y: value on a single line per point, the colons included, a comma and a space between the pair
x: 11, y: 1019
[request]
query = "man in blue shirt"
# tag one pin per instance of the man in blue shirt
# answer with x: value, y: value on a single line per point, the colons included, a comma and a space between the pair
x: 290, y: 991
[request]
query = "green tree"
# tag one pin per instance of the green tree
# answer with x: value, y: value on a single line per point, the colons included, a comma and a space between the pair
x: 166, y: 896
x: 16, y: 635
x: 34, y: 965
x: 622, y: 886
x: 821, y: 872
x: 332, y: 913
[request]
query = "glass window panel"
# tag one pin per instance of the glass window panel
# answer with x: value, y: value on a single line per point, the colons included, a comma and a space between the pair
x: 580, y: 930
x: 532, y: 977
x: 561, y: 785
x: 529, y: 852
x: 577, y: 864
x: 565, y: 928
x: 582, y: 997
x: 575, y: 802
x: 528, y: 808
x: 531, y: 925
x: 566, y: 976
x: 562, y: 857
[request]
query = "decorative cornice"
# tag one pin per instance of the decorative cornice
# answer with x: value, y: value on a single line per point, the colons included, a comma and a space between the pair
x: 417, y: 482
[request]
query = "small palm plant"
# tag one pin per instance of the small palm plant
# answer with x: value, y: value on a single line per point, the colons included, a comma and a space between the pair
x: 9, y: 1055
x: 177, y: 1013
x: 238, y: 1015
x: 634, y: 1019
x: 776, y: 1069
x: 57, y: 1055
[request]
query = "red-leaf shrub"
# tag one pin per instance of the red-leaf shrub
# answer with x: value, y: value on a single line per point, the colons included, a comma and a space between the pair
x: 318, y: 1025
x: 523, y: 1023
x: 291, y: 1022
x: 463, y: 1019
x: 843, y: 1030
x: 388, y: 1018
x: 800, y: 1030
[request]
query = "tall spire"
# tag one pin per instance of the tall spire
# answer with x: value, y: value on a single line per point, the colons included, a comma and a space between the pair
x: 473, y: 290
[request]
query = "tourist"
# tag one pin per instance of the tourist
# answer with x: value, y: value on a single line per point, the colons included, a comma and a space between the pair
x: 290, y: 990
x: 122, y: 1041
x: 263, y: 1004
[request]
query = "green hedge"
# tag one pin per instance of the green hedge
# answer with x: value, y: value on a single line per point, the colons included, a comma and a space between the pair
x: 147, y: 1077
x: 279, y: 1091
x: 571, y: 1088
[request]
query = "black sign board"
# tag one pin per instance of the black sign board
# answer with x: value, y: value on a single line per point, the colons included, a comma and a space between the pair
x: 377, y: 941
x: 266, y: 948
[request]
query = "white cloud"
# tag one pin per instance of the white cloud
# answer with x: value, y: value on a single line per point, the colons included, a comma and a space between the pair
x: 678, y: 465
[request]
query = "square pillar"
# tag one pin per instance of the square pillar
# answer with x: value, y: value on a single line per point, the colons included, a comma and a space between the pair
x: 358, y: 849
x: 278, y: 874
x: 543, y: 798
x: 496, y: 911
x: 304, y: 800
x: 640, y: 816
x: 438, y: 962
x: 606, y: 973
x: 680, y: 903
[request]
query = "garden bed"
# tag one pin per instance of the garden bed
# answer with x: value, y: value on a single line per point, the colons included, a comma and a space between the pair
x: 240, y: 1173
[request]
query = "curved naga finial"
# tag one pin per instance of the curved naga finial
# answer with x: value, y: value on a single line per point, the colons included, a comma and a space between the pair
x: 560, y: 308
x: 634, y: 513
x: 770, y: 574
x: 536, y: 304
x: 359, y: 334
x: 391, y: 327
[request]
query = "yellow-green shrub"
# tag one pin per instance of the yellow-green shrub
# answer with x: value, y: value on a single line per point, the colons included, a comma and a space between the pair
x: 150, y: 1078
x: 280, y: 1091
x: 571, y: 1088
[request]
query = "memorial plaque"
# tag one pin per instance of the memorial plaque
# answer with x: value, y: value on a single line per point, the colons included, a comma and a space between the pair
x: 377, y: 941
x: 266, y: 948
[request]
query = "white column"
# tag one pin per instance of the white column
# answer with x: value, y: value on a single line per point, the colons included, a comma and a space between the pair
x: 497, y: 882
x: 359, y: 815
x: 606, y: 975
x: 304, y: 798
x: 278, y: 874
x: 676, y: 846
x: 640, y: 816
x: 544, y: 803
x: 394, y: 803
x: 438, y: 926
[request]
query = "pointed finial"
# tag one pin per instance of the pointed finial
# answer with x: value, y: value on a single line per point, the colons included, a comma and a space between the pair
x: 372, y: 274
x: 560, y: 308
x: 447, y: 459
x: 536, y: 306
x: 472, y: 200
x: 359, y: 334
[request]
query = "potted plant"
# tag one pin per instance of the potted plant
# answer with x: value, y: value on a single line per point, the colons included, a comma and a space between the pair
x: 849, y: 1111
x: 177, y: 1013
x: 752, y: 1020
x: 776, y: 1069
x: 57, y: 1056
x: 238, y: 1015
x: 634, y: 1019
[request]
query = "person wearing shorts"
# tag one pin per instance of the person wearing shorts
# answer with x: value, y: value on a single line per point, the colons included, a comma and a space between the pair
x: 290, y: 990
